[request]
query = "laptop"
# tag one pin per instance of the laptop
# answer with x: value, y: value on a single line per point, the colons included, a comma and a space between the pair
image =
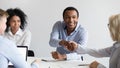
x: 23, y: 51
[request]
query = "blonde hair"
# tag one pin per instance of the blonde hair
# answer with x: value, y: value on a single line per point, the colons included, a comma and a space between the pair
x: 3, y: 13
x: 114, y: 27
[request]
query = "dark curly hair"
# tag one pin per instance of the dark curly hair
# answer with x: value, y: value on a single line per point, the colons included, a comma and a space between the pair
x: 16, y: 12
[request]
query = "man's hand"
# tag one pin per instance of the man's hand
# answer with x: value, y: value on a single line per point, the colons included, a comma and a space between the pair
x: 64, y: 43
x: 94, y: 64
x: 56, y: 55
x: 72, y: 46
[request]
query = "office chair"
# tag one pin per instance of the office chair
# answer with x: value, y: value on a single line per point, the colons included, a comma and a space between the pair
x: 31, y: 53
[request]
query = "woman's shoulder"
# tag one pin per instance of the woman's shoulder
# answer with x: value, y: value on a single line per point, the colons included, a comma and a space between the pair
x: 27, y: 32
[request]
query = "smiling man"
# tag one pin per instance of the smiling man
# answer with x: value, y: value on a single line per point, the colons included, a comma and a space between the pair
x: 67, y: 32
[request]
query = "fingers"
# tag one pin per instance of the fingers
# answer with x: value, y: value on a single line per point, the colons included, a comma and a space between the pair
x: 94, y: 64
x: 63, y: 43
x: 66, y: 43
x: 37, y: 60
x: 71, y: 46
x: 54, y: 55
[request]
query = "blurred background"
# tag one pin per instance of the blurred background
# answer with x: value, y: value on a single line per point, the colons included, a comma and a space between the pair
x: 42, y: 14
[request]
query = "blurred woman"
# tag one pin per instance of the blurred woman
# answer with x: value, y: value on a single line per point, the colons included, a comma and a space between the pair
x: 16, y: 27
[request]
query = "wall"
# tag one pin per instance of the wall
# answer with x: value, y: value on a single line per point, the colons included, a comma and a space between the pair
x: 42, y: 14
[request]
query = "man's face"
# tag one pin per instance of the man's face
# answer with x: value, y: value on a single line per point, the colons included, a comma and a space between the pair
x: 71, y: 19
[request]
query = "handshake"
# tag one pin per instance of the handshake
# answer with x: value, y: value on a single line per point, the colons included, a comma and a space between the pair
x: 69, y: 45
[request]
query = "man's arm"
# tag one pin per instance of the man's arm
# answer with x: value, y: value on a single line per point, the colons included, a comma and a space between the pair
x: 54, y: 36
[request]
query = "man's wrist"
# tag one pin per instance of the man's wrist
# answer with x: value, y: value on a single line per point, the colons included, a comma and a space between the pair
x: 64, y: 57
x: 62, y: 42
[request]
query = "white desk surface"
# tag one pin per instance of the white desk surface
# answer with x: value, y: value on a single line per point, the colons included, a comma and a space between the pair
x: 58, y: 64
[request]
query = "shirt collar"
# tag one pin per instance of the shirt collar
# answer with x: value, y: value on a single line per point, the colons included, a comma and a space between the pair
x: 78, y: 24
x: 19, y: 32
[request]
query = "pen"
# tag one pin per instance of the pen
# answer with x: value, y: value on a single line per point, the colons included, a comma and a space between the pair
x: 43, y: 60
x: 83, y: 65
x: 82, y: 58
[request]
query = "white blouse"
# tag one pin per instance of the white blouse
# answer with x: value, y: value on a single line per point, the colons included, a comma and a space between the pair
x: 113, y: 52
x: 21, y: 38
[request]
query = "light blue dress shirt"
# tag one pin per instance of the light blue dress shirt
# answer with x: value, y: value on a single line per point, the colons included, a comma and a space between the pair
x: 79, y: 35
x: 9, y: 52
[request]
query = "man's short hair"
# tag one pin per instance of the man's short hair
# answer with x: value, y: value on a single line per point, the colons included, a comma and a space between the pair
x: 70, y: 8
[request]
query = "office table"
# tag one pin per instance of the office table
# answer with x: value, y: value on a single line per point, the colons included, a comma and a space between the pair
x: 51, y: 63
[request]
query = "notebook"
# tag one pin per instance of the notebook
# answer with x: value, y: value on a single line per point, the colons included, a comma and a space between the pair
x: 23, y: 51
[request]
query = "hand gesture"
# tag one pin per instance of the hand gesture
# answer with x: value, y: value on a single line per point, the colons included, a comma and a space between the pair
x: 56, y: 55
x: 72, y: 46
x: 64, y: 43
x: 94, y: 64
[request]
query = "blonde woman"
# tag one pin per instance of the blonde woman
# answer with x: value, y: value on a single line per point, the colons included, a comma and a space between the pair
x: 113, y: 52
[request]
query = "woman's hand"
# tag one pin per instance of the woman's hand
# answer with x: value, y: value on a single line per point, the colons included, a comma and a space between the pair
x: 94, y: 64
